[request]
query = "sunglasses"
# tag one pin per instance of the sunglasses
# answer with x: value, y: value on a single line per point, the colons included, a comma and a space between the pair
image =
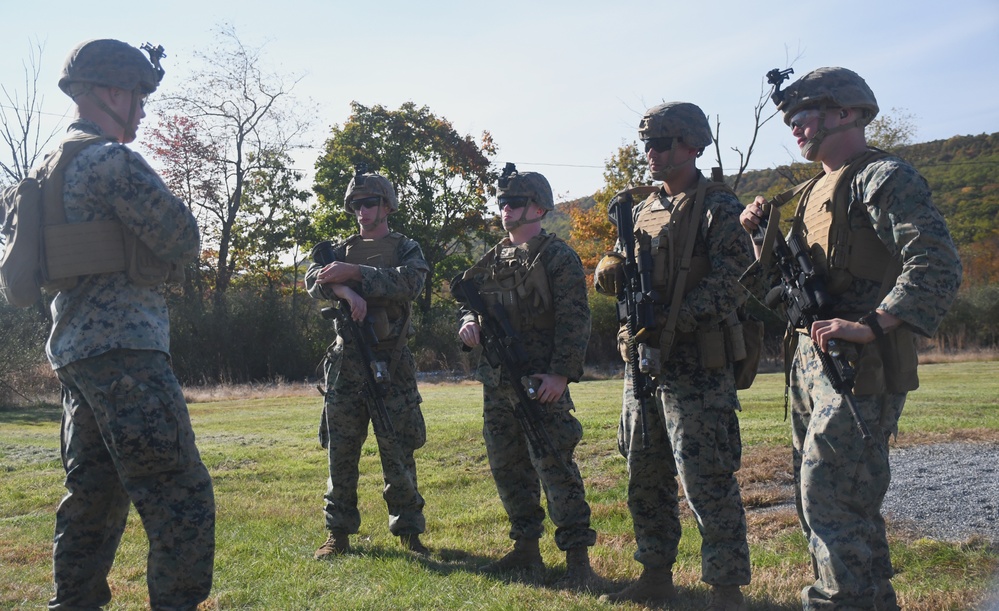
x: 515, y: 202
x: 802, y: 118
x: 659, y: 145
x: 364, y: 202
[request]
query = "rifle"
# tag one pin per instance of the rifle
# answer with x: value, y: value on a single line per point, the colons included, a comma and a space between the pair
x: 636, y: 307
x: 803, y: 293
x: 363, y: 336
x: 502, y: 348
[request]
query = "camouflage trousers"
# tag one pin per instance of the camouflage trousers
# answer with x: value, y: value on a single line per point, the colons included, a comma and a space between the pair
x: 841, y: 482
x: 519, y: 473
x: 347, y: 420
x: 127, y: 438
x: 693, y: 432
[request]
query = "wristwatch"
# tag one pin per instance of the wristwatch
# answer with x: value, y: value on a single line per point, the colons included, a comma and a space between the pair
x: 871, y: 320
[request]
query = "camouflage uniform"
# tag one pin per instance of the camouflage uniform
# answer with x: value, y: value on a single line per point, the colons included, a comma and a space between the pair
x: 518, y: 473
x: 347, y: 405
x: 693, y: 427
x: 126, y: 433
x: 841, y: 481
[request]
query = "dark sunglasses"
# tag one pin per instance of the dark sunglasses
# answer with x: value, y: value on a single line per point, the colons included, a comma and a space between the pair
x: 660, y: 145
x: 513, y: 201
x: 364, y: 202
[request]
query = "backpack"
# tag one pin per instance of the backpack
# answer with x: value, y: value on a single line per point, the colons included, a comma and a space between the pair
x: 34, y: 203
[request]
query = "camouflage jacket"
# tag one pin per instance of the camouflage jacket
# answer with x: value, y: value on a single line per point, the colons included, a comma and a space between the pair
x: 893, y: 197
x: 561, y: 351
x: 108, y: 311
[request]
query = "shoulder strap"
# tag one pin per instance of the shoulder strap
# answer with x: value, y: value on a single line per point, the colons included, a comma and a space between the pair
x: 772, y: 210
x: 669, y: 331
x: 53, y: 211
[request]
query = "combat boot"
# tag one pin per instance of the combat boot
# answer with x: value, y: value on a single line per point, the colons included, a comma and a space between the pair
x: 525, y: 557
x: 653, y: 586
x: 337, y: 544
x: 412, y: 543
x: 726, y: 598
x: 578, y: 574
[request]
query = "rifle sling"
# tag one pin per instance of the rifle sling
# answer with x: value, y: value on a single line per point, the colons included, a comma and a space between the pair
x: 669, y: 331
x: 773, y: 218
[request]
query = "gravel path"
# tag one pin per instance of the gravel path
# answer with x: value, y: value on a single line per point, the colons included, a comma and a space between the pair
x: 946, y: 491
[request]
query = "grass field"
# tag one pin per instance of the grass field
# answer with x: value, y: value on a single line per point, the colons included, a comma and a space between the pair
x: 270, y: 473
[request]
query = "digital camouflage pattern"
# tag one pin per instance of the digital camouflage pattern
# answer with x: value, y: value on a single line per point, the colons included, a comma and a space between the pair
x: 676, y: 120
x: 529, y: 184
x: 126, y: 435
x: 108, y: 311
x: 834, y: 87
x: 371, y: 184
x: 840, y: 485
x: 347, y: 406
x: 519, y: 475
x: 693, y: 429
x: 841, y: 481
x: 127, y: 438
x: 109, y: 63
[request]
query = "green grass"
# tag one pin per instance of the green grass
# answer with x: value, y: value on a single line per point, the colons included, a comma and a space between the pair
x: 270, y: 474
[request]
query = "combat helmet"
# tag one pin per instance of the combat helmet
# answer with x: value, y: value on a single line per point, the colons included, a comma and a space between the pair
x: 513, y: 183
x: 370, y: 184
x: 112, y: 63
x: 830, y: 87
x: 681, y: 120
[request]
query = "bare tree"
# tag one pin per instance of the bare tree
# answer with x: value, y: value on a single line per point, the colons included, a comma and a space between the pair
x: 761, y: 116
x: 20, y: 122
x: 248, y: 117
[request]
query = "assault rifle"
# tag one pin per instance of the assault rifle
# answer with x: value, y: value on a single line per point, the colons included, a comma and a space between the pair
x: 502, y: 348
x: 802, y: 292
x: 636, y: 307
x: 363, y: 336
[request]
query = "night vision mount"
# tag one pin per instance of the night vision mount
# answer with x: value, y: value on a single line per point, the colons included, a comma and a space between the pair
x: 775, y: 77
x: 508, y: 170
x: 155, y: 55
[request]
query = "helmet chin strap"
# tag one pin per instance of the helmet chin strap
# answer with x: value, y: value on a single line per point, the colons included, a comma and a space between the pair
x: 521, y: 221
x: 811, y: 149
x: 128, y: 131
x: 376, y: 222
x: 663, y: 173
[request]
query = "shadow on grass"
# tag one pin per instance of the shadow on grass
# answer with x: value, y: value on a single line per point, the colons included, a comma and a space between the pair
x: 447, y: 561
x: 38, y: 413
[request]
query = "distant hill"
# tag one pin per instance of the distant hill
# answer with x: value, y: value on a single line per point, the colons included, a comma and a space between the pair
x: 963, y: 173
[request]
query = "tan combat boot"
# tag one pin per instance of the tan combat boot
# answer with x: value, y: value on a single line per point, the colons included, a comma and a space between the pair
x: 653, y: 586
x: 525, y: 557
x: 578, y: 574
x: 412, y: 543
x: 726, y: 598
x: 337, y: 544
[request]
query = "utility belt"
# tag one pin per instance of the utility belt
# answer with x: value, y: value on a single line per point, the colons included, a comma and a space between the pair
x: 716, y: 346
x: 73, y: 250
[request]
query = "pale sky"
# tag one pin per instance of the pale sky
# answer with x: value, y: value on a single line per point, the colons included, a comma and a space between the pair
x: 559, y: 84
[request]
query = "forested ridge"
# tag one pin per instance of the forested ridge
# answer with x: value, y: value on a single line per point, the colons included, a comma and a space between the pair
x: 962, y: 171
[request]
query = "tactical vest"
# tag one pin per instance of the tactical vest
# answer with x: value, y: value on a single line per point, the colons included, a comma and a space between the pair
x: 382, y: 252
x: 70, y: 251
x: 823, y: 219
x: 515, y: 277
x: 664, y: 233
x: 844, y: 253
x: 671, y: 235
